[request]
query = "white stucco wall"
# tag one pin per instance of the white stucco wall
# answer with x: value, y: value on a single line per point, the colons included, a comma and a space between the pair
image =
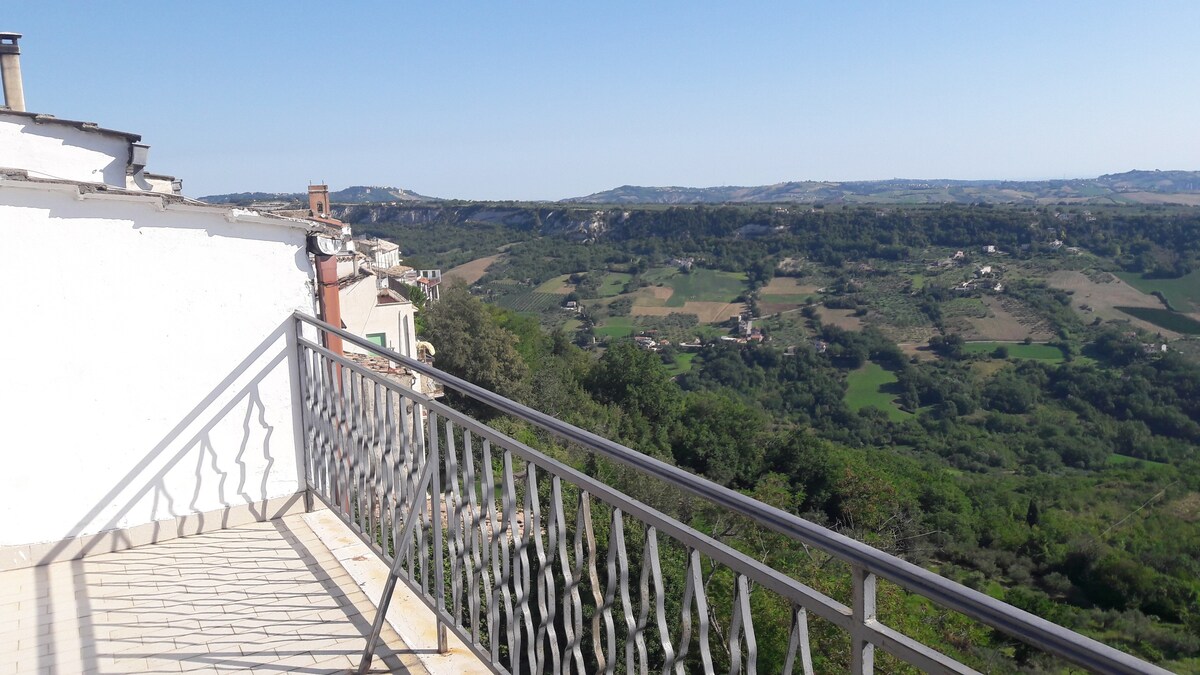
x: 363, y: 315
x: 153, y: 376
x: 49, y: 150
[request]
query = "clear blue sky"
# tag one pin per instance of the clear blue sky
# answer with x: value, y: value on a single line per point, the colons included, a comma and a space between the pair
x: 535, y: 100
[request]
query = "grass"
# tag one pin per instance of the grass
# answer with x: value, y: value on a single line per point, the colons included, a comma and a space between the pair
x: 1182, y: 294
x: 615, y: 326
x: 918, y: 281
x: 683, y: 363
x: 867, y: 388
x: 1164, y: 318
x: 556, y: 285
x: 613, y: 284
x: 1017, y: 350
x: 705, y: 285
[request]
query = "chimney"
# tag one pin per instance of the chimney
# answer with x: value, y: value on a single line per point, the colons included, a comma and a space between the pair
x: 10, y: 71
x: 318, y: 200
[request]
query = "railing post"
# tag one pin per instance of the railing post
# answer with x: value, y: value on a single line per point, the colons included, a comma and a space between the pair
x: 307, y: 425
x: 439, y: 579
x: 862, y: 651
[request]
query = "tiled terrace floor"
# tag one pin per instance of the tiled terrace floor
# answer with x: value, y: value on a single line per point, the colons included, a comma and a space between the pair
x: 266, y: 598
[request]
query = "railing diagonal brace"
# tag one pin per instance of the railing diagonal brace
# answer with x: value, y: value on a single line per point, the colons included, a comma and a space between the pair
x: 397, y: 561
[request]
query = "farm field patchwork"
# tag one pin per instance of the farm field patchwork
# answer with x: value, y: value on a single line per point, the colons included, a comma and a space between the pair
x: 866, y: 388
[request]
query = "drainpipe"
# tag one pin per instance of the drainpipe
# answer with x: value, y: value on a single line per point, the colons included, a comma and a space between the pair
x: 330, y: 299
x: 10, y: 72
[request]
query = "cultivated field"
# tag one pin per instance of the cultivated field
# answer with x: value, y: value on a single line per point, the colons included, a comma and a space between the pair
x: 787, y: 286
x: 1101, y: 294
x: 473, y: 271
x: 1007, y: 320
x: 707, y: 312
x: 842, y: 318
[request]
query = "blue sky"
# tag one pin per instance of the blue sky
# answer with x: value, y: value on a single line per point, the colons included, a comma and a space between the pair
x: 548, y: 100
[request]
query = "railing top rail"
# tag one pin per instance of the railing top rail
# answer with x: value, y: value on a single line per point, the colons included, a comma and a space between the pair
x: 1039, y: 632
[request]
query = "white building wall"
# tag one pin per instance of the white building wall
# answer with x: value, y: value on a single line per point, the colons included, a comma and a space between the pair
x: 51, y: 150
x: 164, y: 384
x: 363, y: 315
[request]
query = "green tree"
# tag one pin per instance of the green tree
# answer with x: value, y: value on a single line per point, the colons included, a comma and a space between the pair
x: 472, y: 345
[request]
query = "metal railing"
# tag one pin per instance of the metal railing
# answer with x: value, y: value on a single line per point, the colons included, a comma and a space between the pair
x: 529, y: 562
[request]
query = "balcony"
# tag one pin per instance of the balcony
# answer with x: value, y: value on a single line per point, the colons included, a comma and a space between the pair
x: 484, y: 555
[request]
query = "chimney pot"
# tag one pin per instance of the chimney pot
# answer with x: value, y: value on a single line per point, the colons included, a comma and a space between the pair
x: 10, y: 71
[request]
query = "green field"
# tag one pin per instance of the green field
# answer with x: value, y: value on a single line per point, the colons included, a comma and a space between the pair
x: 614, y: 284
x: 1182, y: 294
x: 1164, y: 318
x: 615, y: 326
x: 553, y: 285
x: 683, y: 363
x: 1017, y: 350
x: 866, y: 388
x: 705, y: 286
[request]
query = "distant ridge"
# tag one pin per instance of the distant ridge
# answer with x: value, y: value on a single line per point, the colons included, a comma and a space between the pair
x: 1131, y: 187
x: 357, y: 194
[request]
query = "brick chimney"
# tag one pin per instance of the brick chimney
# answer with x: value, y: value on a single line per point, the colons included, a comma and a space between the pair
x: 10, y: 71
x: 318, y: 200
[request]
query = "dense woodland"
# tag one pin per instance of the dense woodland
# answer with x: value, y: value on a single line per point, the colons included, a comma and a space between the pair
x: 1005, y: 482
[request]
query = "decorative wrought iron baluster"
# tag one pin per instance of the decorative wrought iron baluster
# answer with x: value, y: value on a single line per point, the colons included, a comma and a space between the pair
x: 742, y: 625
x: 618, y: 533
x: 693, y: 590
x: 375, y: 514
x: 454, y: 513
x: 598, y: 594
x: 652, y: 559
x: 798, y: 642
x: 474, y: 532
x: 572, y: 601
x: 437, y: 516
x: 422, y: 417
x: 389, y: 466
x: 492, y: 550
x: 610, y: 592
x: 509, y: 567
x: 547, y: 602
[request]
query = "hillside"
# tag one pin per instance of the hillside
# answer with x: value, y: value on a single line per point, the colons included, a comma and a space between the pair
x: 356, y: 194
x: 1132, y: 187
